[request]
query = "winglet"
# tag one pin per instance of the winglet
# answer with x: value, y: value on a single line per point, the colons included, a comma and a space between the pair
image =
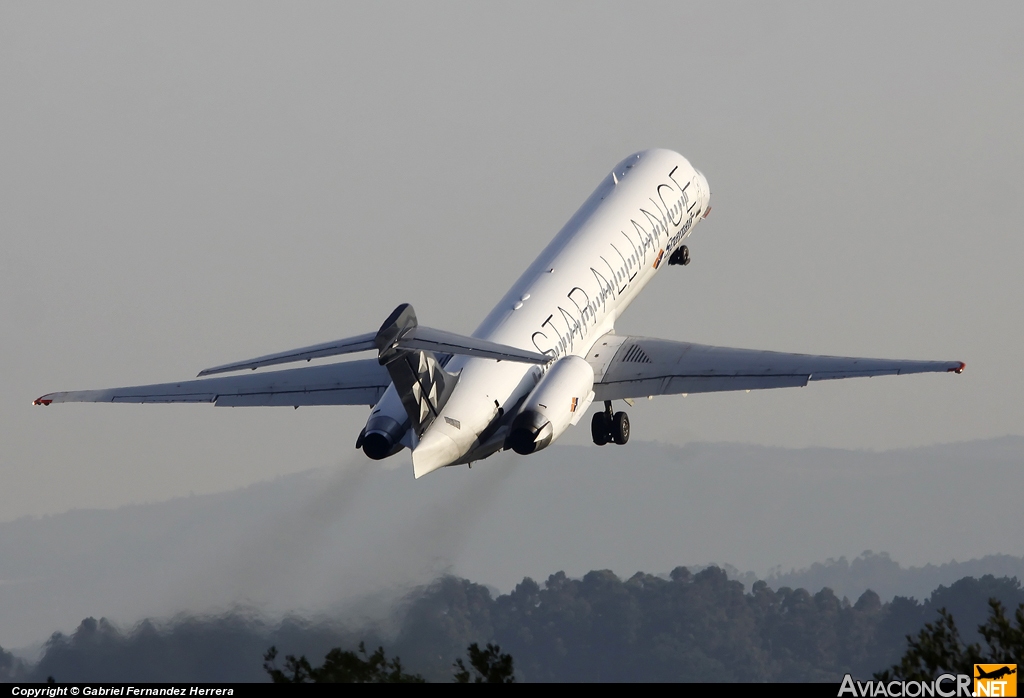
x: 958, y: 369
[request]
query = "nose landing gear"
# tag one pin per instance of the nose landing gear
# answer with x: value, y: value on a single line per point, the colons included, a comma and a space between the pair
x: 608, y: 426
x: 680, y: 256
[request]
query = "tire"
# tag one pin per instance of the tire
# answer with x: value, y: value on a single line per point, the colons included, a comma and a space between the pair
x: 599, y: 428
x: 686, y: 255
x: 620, y: 428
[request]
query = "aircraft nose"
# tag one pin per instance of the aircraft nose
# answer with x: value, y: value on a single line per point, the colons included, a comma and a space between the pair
x: 435, y: 450
x: 705, y: 190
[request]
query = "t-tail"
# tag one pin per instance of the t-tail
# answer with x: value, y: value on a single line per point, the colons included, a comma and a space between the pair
x: 421, y: 382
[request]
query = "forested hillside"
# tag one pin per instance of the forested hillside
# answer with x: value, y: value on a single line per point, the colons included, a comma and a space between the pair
x: 883, y: 575
x: 317, y: 540
x: 687, y: 627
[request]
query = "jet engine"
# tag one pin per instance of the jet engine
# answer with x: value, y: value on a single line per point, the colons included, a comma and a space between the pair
x: 560, y: 398
x: 381, y: 436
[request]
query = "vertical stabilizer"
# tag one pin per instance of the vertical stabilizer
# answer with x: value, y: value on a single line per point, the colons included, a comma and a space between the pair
x: 420, y: 380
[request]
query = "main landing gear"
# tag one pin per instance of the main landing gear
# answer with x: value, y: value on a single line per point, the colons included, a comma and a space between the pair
x: 680, y: 256
x: 609, y: 426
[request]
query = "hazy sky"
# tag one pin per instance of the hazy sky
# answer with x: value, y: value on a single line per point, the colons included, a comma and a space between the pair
x: 186, y: 184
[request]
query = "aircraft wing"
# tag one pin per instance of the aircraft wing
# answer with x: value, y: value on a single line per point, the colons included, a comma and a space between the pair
x: 632, y: 367
x: 346, y: 383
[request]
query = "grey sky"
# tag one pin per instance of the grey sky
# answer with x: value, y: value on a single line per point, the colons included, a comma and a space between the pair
x: 186, y: 184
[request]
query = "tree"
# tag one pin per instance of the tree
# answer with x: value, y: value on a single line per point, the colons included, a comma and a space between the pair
x: 938, y: 647
x: 340, y: 666
x: 343, y: 666
x: 10, y: 666
x: 489, y: 666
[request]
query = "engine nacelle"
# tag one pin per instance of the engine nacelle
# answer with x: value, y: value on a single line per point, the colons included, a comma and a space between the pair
x: 380, y: 437
x: 386, y: 427
x: 560, y: 398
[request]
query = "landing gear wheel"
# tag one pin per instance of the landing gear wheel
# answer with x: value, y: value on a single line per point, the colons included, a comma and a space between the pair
x: 600, y: 428
x: 620, y: 428
x: 680, y: 256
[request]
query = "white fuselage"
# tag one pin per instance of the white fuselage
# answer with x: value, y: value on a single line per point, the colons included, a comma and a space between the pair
x: 569, y: 297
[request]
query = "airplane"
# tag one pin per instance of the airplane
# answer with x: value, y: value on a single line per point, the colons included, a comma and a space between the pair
x: 543, y: 355
x: 995, y: 673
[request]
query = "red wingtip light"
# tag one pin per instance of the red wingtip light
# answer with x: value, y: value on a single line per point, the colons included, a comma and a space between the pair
x: 958, y: 369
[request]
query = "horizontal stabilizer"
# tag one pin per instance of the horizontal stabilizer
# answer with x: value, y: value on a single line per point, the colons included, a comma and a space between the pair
x: 363, y: 342
x: 426, y: 338
x: 416, y: 337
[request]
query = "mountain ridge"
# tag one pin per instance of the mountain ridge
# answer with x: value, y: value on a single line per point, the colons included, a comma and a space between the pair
x: 316, y: 541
